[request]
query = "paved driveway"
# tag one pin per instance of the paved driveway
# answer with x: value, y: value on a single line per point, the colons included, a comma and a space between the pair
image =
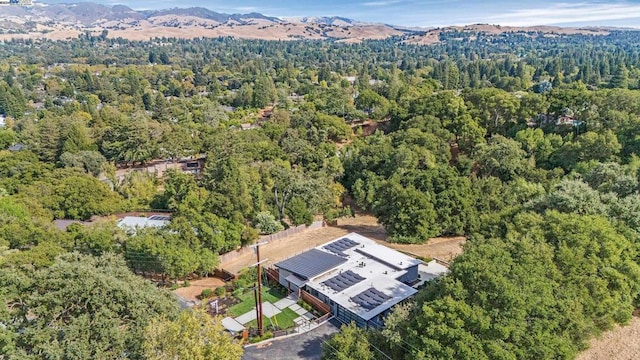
x: 303, y: 346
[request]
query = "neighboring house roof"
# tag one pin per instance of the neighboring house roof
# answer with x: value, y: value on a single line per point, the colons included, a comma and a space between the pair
x: 311, y: 263
x: 17, y: 147
x: 134, y: 222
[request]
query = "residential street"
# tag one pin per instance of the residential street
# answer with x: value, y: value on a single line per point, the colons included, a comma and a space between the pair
x: 303, y: 346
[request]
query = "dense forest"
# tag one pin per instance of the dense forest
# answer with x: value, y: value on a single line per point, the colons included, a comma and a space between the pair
x: 528, y: 145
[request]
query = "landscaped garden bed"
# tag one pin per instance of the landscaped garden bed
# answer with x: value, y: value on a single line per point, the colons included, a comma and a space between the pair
x: 281, y: 321
x: 247, y: 301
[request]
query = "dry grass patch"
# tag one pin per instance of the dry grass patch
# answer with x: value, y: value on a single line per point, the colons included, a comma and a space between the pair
x: 365, y: 225
x: 621, y: 343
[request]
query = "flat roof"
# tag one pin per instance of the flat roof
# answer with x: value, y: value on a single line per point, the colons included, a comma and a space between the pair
x: 394, y: 292
x: 133, y: 222
x: 388, y: 256
x: 311, y: 263
x: 295, y: 280
x: 359, y: 274
x: 367, y: 283
x: 430, y: 271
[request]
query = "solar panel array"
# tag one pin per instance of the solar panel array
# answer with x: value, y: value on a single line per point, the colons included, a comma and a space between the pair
x: 370, y: 299
x: 311, y: 263
x: 338, y: 247
x: 160, y: 217
x: 343, y: 280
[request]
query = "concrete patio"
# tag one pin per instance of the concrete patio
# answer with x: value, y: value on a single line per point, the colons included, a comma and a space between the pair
x: 303, y: 321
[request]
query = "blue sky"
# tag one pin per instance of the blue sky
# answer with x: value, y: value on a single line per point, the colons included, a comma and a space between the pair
x: 425, y: 12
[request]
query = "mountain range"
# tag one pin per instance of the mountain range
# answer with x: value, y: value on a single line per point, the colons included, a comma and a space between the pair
x: 65, y: 21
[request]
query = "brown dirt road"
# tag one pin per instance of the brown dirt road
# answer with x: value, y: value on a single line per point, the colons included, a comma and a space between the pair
x: 365, y: 225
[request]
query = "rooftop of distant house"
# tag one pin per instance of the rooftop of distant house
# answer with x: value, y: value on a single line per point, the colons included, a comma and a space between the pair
x: 139, y: 222
x: 17, y: 147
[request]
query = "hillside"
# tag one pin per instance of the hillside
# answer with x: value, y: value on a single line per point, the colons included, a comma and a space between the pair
x: 65, y: 21
x: 433, y: 36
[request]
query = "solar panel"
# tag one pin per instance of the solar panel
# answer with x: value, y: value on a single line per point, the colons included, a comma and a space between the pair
x: 343, y: 280
x: 311, y: 263
x: 370, y: 298
x: 338, y: 247
x: 160, y: 217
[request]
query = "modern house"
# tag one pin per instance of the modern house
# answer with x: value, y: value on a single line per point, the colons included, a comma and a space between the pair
x: 359, y: 279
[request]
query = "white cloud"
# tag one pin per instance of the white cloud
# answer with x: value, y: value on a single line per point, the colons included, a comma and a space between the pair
x: 567, y: 13
x: 381, y: 3
x: 245, y: 8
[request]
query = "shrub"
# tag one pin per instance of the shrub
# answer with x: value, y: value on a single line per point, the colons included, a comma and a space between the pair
x: 265, y: 336
x: 305, y: 306
x: 267, y: 223
x: 206, y: 293
x: 238, y: 292
x: 298, y: 212
x: 221, y: 291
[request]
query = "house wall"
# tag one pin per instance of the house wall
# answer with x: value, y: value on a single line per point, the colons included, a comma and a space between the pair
x: 282, y: 277
x: 343, y: 315
x: 346, y: 317
x: 411, y: 275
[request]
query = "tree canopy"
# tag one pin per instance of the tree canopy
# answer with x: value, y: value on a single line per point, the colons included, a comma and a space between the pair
x: 527, y: 145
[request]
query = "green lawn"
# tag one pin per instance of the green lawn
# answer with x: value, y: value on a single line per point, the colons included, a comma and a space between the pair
x: 284, y: 320
x: 248, y: 302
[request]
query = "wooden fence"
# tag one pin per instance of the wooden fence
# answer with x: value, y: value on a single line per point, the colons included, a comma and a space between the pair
x: 322, y: 318
x: 316, y: 303
x: 231, y: 255
x: 224, y: 275
x: 272, y: 274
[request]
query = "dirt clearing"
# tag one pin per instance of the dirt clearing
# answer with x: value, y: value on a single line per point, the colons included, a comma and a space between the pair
x: 191, y: 292
x: 444, y: 248
x: 621, y: 343
x: 365, y: 225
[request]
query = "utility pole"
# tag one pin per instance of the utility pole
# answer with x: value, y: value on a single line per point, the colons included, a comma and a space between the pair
x: 258, y: 308
x: 259, y: 297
